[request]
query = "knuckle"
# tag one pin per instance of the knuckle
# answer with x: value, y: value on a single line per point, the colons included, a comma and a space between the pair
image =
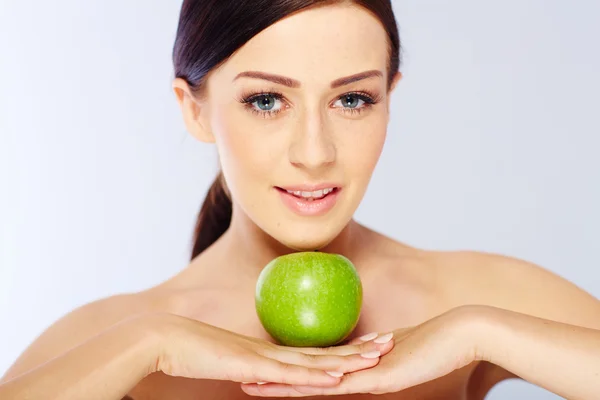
x: 286, y: 370
x: 263, y: 369
x: 364, y: 347
x: 283, y: 368
x: 264, y: 351
x: 338, y: 350
x: 311, y: 358
x: 340, y: 361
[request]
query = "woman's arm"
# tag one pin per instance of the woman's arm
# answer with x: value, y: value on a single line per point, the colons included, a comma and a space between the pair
x: 565, y: 359
x: 80, y: 325
x: 562, y: 358
x: 104, y: 367
x: 110, y: 364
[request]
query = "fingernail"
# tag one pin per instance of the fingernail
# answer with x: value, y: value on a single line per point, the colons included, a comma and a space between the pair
x: 335, y: 374
x: 371, y: 354
x: 385, y: 338
x: 368, y: 337
x: 261, y: 383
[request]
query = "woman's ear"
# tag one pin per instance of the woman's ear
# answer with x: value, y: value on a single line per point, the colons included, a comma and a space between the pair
x: 194, y: 113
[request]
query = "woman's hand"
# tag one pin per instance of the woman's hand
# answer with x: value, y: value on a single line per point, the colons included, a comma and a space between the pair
x: 420, y: 354
x: 192, y: 349
x: 559, y: 357
x: 110, y: 364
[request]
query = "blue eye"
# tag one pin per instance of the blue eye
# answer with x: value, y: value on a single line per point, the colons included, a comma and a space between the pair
x: 351, y: 101
x: 266, y: 102
x: 354, y: 101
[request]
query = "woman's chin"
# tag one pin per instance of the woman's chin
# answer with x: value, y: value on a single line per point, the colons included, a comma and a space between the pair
x: 312, y: 243
x: 305, y: 235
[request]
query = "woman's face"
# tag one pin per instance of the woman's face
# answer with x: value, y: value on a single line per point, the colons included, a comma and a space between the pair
x: 299, y: 117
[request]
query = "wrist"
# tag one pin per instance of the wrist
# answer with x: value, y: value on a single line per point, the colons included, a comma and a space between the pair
x: 479, y: 328
x: 153, y: 331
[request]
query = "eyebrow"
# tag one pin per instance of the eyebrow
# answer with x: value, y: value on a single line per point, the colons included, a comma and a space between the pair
x: 293, y: 83
x: 282, y: 80
x: 355, y: 78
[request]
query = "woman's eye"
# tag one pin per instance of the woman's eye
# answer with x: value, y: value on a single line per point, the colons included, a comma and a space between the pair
x: 267, y: 102
x: 350, y: 101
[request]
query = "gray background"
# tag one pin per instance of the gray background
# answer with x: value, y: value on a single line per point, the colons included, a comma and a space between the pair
x: 492, y: 146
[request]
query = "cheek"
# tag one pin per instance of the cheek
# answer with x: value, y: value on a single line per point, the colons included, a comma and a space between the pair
x: 244, y: 153
x: 364, y: 150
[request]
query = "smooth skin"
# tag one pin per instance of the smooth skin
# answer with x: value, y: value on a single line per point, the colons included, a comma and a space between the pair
x: 559, y: 357
x: 462, y: 321
x: 110, y: 364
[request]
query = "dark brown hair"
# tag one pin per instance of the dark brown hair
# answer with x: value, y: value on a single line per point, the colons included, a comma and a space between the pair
x: 209, y: 32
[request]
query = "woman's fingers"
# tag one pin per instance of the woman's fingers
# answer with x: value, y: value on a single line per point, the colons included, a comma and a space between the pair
x: 359, y: 383
x: 376, y: 337
x: 362, y: 354
x: 332, y: 362
x: 380, y: 343
x: 362, y: 339
x: 277, y: 372
x: 325, y: 362
x: 272, y: 390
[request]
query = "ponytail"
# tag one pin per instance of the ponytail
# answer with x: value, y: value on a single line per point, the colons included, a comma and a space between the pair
x: 214, y: 217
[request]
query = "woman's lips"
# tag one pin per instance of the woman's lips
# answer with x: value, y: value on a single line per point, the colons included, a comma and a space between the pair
x: 310, y: 200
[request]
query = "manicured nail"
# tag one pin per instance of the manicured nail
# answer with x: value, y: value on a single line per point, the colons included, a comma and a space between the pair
x: 368, y: 337
x: 371, y: 354
x: 385, y: 338
x: 335, y: 374
x: 261, y: 383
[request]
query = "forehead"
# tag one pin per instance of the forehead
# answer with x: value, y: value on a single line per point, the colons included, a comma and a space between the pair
x: 316, y: 46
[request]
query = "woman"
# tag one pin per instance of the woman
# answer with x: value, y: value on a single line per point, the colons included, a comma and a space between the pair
x: 295, y: 95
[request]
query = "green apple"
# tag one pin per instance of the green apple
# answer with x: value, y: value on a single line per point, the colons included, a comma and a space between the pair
x: 309, y: 299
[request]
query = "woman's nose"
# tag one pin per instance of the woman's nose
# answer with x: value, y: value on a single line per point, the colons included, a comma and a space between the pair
x: 313, y: 146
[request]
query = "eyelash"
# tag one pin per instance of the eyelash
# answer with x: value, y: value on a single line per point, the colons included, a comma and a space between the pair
x: 248, y: 99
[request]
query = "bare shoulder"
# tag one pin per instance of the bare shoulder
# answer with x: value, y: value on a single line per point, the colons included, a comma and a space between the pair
x: 88, y: 320
x: 79, y: 325
x: 434, y: 282
x: 469, y: 277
